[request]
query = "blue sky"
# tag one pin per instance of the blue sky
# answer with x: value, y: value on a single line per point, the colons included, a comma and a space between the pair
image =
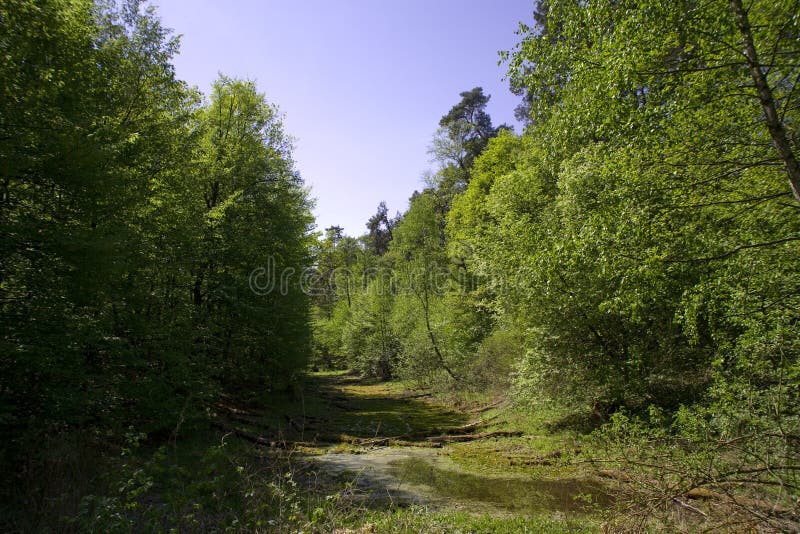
x: 362, y: 83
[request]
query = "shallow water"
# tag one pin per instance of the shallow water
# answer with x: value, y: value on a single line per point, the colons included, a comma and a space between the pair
x: 374, y: 476
x: 404, y: 475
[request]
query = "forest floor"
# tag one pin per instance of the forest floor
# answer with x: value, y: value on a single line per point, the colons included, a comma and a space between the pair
x: 413, y: 462
x: 346, y: 455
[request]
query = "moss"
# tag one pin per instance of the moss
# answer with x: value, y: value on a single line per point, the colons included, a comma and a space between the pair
x: 525, y: 495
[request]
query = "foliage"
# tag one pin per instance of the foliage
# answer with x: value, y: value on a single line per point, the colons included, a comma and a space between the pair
x: 653, y: 239
x: 369, y: 337
x: 132, y: 215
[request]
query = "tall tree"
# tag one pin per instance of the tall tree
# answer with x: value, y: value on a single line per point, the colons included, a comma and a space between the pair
x: 422, y: 270
x: 464, y: 130
x: 380, y: 228
x: 131, y: 219
x: 462, y: 135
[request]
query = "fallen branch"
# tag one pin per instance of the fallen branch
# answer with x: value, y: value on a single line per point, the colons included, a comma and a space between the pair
x: 690, y: 507
x: 550, y: 458
x: 764, y: 506
x: 412, y: 396
x: 488, y: 406
x: 705, y: 494
x: 377, y: 441
x: 472, y: 437
x: 258, y: 440
x: 467, y: 427
x: 238, y: 432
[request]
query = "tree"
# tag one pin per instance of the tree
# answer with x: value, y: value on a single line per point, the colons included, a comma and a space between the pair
x: 774, y: 120
x: 131, y: 219
x: 464, y: 131
x: 422, y: 268
x: 380, y: 228
x: 254, y: 210
x: 523, y: 112
x: 369, y: 336
x: 92, y: 119
x: 462, y: 135
x: 663, y: 250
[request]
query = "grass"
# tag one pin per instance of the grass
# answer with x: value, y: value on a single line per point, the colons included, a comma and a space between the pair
x: 417, y: 519
x: 211, y: 480
x: 526, y: 495
x: 540, y: 451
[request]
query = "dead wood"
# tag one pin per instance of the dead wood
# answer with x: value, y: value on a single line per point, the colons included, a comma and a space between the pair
x: 472, y: 437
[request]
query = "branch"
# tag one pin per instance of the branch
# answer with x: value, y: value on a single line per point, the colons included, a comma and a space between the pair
x: 733, y: 251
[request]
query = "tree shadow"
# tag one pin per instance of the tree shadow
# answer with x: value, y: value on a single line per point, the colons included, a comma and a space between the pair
x: 580, y: 422
x: 364, y: 409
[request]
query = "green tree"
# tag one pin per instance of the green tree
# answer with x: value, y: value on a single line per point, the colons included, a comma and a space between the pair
x: 369, y: 336
x: 254, y: 210
x: 380, y: 228
x: 90, y: 114
x: 421, y: 270
x: 665, y: 256
x: 462, y: 135
x: 131, y: 219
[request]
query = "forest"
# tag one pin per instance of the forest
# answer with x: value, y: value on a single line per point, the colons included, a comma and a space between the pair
x: 613, y: 290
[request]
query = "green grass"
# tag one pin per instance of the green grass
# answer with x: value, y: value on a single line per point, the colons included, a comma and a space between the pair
x: 417, y: 519
x: 527, y: 495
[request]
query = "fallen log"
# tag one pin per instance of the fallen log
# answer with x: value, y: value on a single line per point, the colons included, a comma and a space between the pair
x: 238, y: 432
x: 468, y: 426
x: 398, y: 397
x: 488, y: 407
x: 413, y: 396
x: 550, y: 458
x: 377, y: 441
x: 745, y: 502
x: 258, y: 440
x: 442, y: 435
x: 472, y: 437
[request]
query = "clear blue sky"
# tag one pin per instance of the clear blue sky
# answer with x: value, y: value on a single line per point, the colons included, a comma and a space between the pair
x: 362, y: 83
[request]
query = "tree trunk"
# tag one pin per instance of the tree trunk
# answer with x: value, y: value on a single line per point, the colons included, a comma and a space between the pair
x: 774, y: 123
x: 433, y: 339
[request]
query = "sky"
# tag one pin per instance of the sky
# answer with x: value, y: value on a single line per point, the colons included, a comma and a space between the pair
x: 362, y: 84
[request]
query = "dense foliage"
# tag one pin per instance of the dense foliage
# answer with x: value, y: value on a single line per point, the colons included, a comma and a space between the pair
x: 132, y: 213
x: 635, y: 250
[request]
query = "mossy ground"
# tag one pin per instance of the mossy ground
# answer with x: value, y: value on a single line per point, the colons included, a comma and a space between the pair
x: 514, y: 483
x: 213, y: 480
